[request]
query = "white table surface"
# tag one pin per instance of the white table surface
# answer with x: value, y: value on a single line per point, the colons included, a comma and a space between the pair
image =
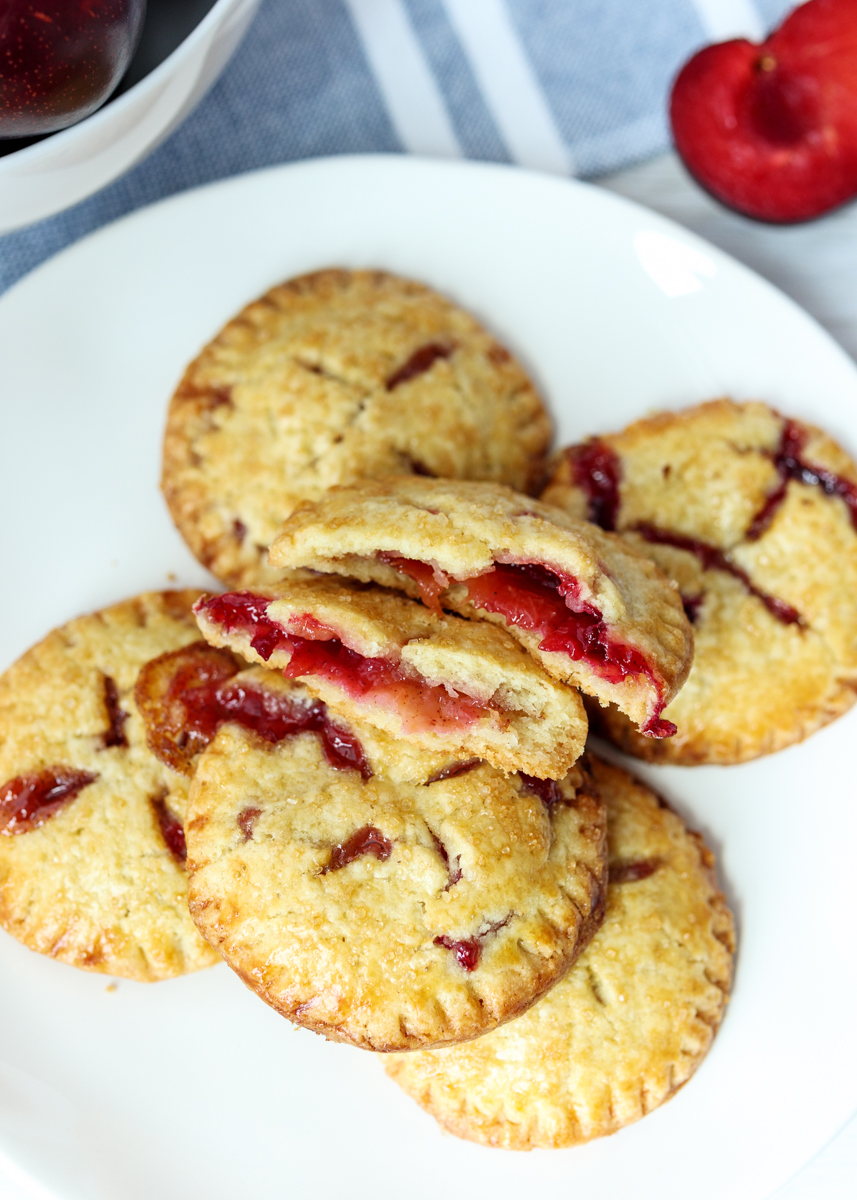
x: 815, y: 264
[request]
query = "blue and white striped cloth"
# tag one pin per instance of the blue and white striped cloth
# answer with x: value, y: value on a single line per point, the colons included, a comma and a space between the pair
x: 570, y: 86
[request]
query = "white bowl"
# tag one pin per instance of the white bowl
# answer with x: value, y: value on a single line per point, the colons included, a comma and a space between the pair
x: 60, y: 170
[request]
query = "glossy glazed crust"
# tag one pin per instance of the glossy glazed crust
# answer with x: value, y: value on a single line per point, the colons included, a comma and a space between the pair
x: 96, y: 885
x: 542, y: 726
x: 757, y: 684
x: 294, y: 395
x: 350, y: 953
x: 627, y: 1026
x: 463, y: 528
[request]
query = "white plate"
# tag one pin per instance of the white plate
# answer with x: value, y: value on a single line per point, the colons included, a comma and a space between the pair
x: 194, y: 1087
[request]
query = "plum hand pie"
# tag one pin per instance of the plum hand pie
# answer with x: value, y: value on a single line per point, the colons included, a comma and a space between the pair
x: 335, y: 376
x: 462, y: 687
x: 594, y: 612
x: 397, y: 900
x: 631, y: 1021
x: 91, y: 839
x: 754, y: 516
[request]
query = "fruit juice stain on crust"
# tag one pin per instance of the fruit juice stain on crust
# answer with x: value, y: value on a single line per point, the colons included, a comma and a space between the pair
x: 27, y: 801
x: 196, y: 700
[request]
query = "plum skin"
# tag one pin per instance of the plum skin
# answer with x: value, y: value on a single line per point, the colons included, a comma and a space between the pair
x: 61, y: 59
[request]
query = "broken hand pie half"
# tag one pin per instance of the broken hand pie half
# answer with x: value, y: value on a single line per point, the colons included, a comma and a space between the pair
x: 447, y: 684
x: 592, y: 610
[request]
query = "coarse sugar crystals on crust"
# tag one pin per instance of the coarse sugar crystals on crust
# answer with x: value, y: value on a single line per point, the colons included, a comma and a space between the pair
x: 440, y: 681
x: 754, y: 515
x: 91, y: 840
x: 331, y: 377
x: 628, y: 1025
x: 406, y: 900
x: 594, y: 612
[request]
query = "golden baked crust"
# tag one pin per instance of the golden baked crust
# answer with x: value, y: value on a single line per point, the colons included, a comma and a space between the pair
x: 775, y: 617
x: 476, y: 899
x: 331, y: 377
x: 463, y: 529
x: 630, y: 1022
x: 96, y: 885
x: 531, y: 722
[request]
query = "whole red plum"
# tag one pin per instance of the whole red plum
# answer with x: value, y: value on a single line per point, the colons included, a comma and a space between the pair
x: 771, y: 129
x: 61, y: 59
